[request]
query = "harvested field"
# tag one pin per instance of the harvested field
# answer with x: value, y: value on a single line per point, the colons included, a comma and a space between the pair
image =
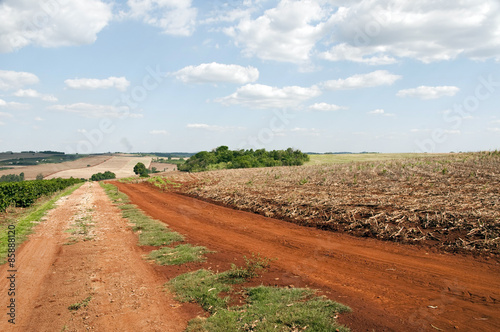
x: 163, y: 167
x: 122, y: 166
x: 452, y: 202
x: 344, y: 158
x: 30, y: 172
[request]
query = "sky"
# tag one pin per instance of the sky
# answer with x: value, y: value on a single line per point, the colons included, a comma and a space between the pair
x: 93, y: 76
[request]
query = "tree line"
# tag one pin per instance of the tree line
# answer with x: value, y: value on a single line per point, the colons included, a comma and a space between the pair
x: 223, y: 158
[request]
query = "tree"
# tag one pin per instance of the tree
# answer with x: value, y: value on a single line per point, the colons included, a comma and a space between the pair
x: 141, y: 170
x: 103, y: 176
x: 39, y: 176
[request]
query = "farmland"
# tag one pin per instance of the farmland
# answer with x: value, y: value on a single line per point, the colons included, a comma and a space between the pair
x: 31, y: 172
x: 448, y: 202
x: 25, y: 193
x: 121, y: 165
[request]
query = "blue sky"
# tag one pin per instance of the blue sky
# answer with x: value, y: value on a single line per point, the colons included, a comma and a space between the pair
x: 92, y: 76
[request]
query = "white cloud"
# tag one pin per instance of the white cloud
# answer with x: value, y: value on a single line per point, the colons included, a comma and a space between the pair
x: 158, y: 132
x: 119, y: 83
x: 13, y: 105
x: 368, y: 55
x: 30, y: 93
x: 379, y: 31
x: 324, y: 107
x: 51, y: 23
x: 286, y: 33
x: 494, y: 130
x: 373, y: 79
x: 380, y: 111
x: 216, y: 72
x: 174, y: 17
x: 265, y: 96
x: 212, y: 127
x: 429, y: 92
x: 95, y: 111
x: 452, y: 132
x: 39, y: 119
x: 10, y: 80
x: 306, y: 131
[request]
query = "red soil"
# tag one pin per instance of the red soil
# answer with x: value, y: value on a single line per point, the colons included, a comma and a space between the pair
x: 389, y: 286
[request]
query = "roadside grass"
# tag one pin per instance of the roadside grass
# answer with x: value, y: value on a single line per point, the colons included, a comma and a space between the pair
x: 201, y: 286
x: 26, y: 221
x: 266, y: 308
x: 183, y: 253
x: 151, y: 232
x: 275, y: 309
x: 162, y: 183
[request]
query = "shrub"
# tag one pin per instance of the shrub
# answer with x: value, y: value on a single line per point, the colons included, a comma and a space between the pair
x: 103, y: 176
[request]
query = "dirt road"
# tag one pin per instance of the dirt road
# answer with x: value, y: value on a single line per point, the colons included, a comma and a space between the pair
x: 390, y: 287
x: 84, y: 252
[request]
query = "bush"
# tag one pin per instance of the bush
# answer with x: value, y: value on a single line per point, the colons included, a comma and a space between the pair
x: 103, y: 176
x: 12, y: 178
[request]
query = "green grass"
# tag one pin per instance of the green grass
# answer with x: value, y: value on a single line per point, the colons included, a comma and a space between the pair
x: 183, y: 253
x: 275, y: 309
x: 266, y: 308
x: 322, y: 159
x: 151, y: 232
x: 78, y: 305
x: 25, y: 224
x: 202, y: 286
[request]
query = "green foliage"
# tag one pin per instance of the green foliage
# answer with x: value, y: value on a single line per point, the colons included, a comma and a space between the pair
x: 141, y: 170
x: 276, y: 309
x: 254, y: 266
x: 24, y: 194
x: 78, y: 305
x: 183, y: 253
x: 12, y: 178
x: 103, y: 176
x: 222, y: 157
x: 202, y: 286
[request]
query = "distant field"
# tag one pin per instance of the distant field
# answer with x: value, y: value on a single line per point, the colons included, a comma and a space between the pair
x: 122, y: 166
x: 322, y: 159
x: 30, y: 172
x: 8, y: 155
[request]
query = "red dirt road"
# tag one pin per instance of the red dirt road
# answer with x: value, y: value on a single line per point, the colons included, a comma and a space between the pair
x: 105, y: 265
x: 390, y: 287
